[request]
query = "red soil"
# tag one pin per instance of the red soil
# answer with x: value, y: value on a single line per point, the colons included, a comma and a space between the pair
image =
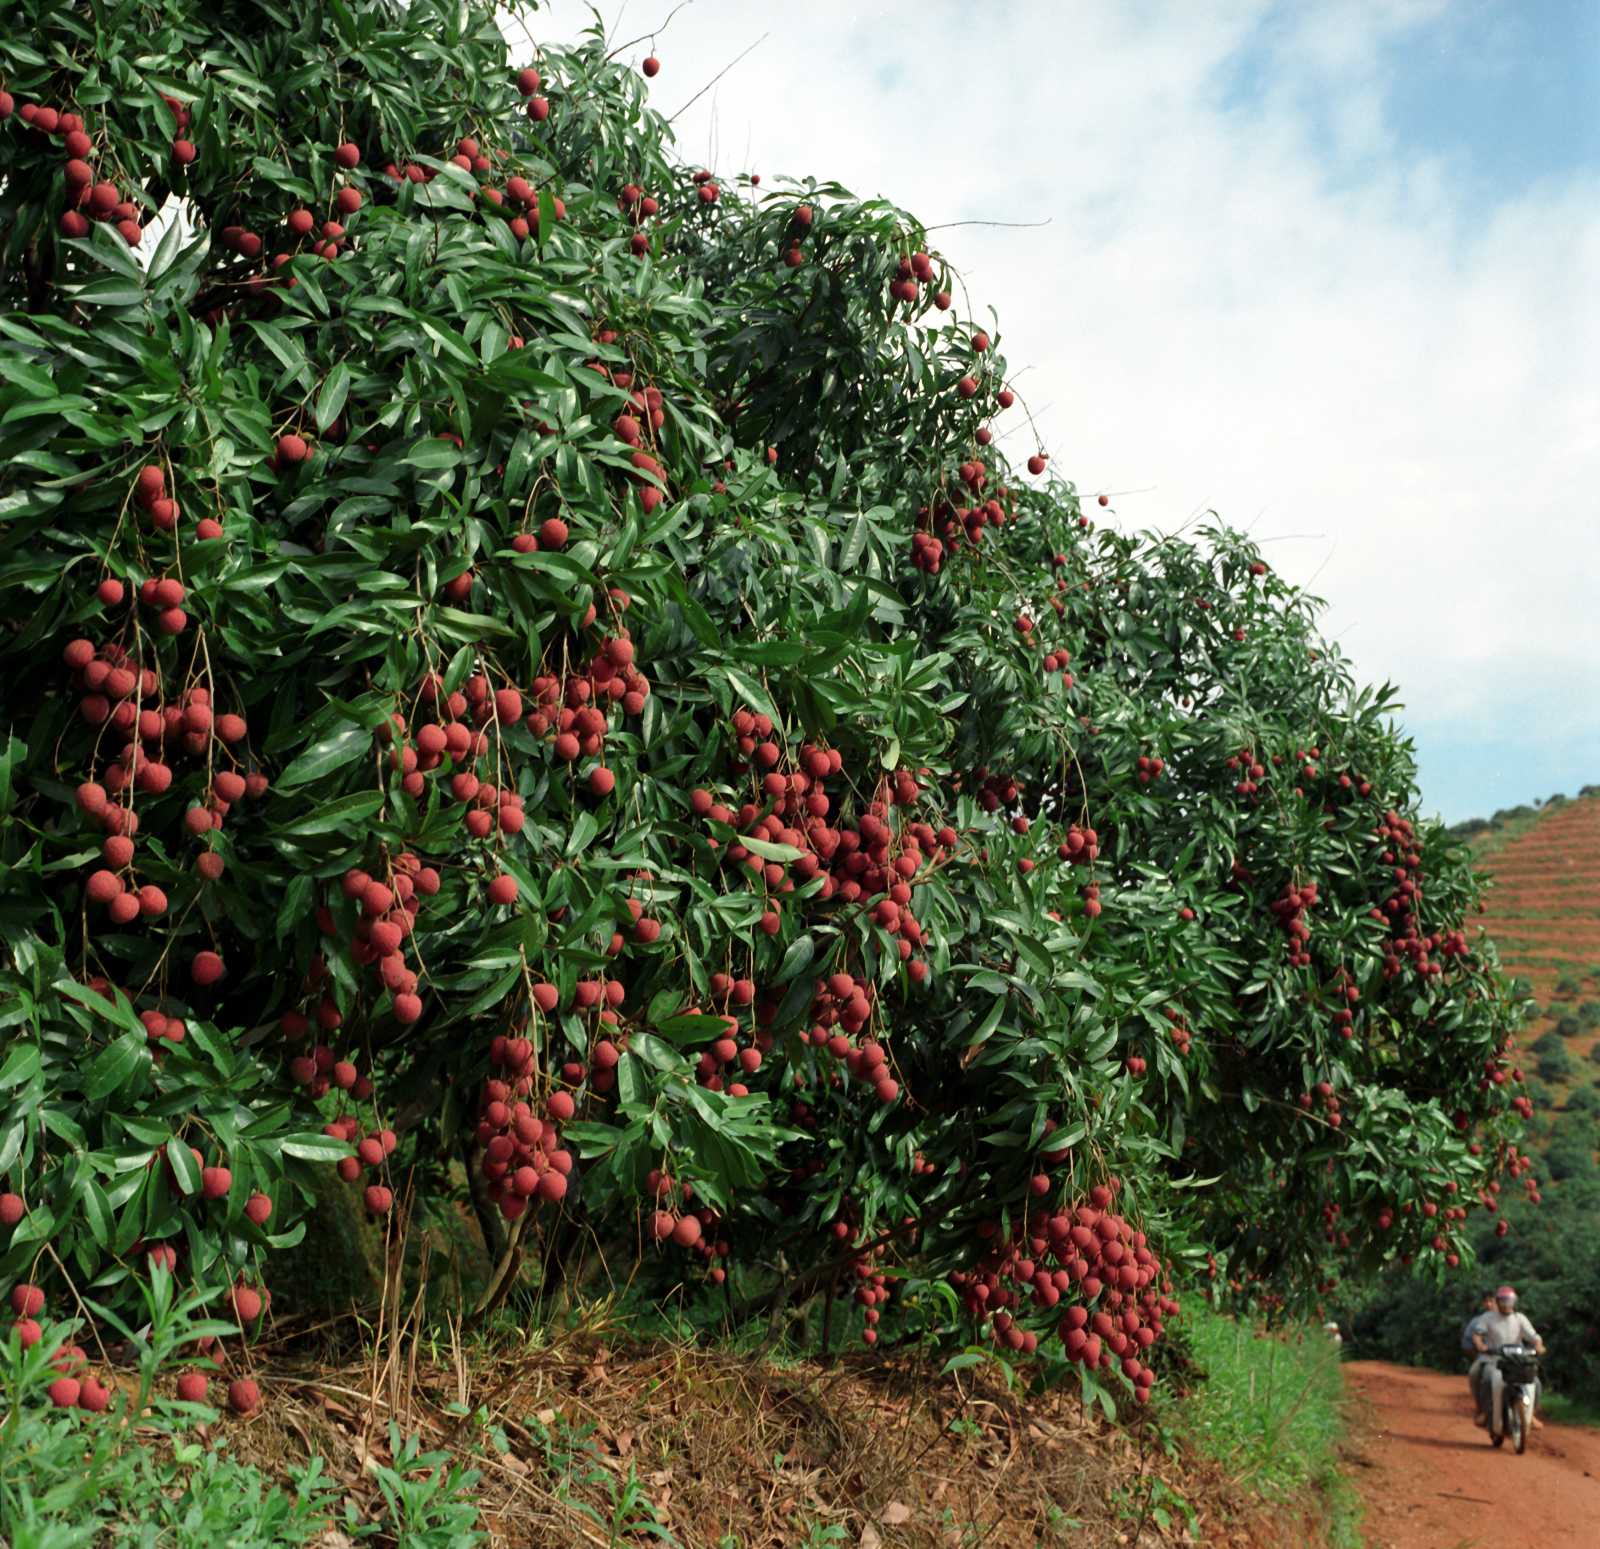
x: 1545, y: 904
x: 1431, y: 1480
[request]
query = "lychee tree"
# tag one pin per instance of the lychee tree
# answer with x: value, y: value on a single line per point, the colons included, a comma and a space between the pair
x: 523, y: 652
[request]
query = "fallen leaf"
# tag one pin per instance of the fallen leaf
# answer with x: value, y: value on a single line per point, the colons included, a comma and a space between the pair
x: 894, y: 1514
x: 869, y: 1538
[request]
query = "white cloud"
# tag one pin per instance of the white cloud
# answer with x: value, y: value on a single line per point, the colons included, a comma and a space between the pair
x: 1266, y: 304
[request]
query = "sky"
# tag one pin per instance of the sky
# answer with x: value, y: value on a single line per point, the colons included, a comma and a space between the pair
x: 1329, y: 269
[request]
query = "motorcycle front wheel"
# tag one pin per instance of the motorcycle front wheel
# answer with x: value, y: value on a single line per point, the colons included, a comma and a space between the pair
x: 1518, y: 1424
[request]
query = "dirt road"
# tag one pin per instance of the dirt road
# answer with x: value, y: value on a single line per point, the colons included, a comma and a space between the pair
x: 1432, y: 1481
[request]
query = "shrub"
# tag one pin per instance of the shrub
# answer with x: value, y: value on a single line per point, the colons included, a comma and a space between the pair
x: 1570, y: 1156
x: 1549, y: 1252
x: 1589, y: 1014
x: 1511, y: 814
x: 527, y: 671
x: 1556, y: 1066
x: 1567, y: 1026
x: 1583, y: 1099
x: 1549, y: 1043
x: 1568, y: 985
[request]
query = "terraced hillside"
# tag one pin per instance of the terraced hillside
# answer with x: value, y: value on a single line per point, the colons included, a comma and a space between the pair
x: 1544, y: 915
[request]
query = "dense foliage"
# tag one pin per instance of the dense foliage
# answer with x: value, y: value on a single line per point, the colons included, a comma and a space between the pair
x: 1552, y: 1257
x: 521, y: 652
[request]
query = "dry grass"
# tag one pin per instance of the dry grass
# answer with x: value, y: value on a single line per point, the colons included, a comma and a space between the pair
x: 571, y: 1433
x: 587, y: 1436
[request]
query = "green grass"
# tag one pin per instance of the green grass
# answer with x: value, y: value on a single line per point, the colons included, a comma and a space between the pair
x: 1570, y: 1409
x: 1495, y: 839
x: 70, y: 1479
x: 1271, y: 1412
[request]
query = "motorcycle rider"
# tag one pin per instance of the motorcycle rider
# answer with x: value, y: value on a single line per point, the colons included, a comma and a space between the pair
x: 1504, y: 1326
x: 1475, y: 1370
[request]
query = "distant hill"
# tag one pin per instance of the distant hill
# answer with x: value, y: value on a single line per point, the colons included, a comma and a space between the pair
x: 1544, y: 917
x: 1490, y: 833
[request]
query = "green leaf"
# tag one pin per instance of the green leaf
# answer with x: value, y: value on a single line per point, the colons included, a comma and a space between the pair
x: 97, y: 1211
x: 753, y: 695
x: 433, y: 454
x: 114, y: 1064
x: 547, y: 217
x: 121, y: 1013
x: 22, y: 1064
x: 854, y: 546
x: 492, y: 994
x: 333, y: 752
x: 309, y: 1147
x: 797, y: 959
x: 332, y: 397
x: 770, y: 851
x: 111, y: 291
x: 584, y: 829
x: 654, y: 1052
x: 11, y: 756
x: 991, y: 1021
x: 339, y: 816
x: 184, y: 1167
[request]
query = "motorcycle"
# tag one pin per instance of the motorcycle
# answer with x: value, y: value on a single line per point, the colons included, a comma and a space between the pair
x: 1512, y: 1414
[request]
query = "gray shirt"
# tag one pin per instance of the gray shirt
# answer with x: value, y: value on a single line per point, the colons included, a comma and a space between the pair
x: 1469, y: 1328
x: 1496, y: 1330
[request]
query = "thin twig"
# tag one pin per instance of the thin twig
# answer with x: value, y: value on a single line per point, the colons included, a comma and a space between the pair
x: 717, y: 77
x: 1013, y: 225
x: 647, y: 36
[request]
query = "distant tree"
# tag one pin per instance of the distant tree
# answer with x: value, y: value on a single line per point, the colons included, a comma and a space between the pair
x: 1511, y: 814
x: 1568, y: 1157
x: 1551, y: 1253
x: 1555, y: 1066
x: 1583, y: 1099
